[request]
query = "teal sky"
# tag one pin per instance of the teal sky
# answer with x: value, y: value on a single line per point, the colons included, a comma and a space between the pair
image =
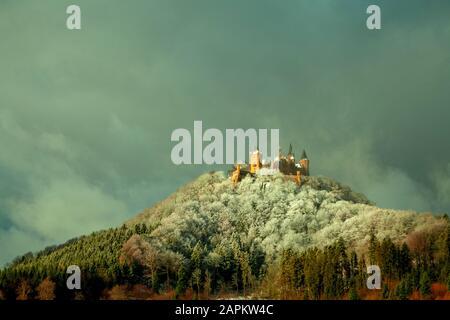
x: 86, y: 116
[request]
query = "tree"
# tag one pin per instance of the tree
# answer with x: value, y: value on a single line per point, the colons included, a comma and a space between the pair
x: 425, y: 284
x: 385, y: 292
x: 197, y: 263
x: 207, y: 284
x: 182, y: 280
x: 388, y: 257
x: 196, y: 279
x: 336, y: 270
x: 245, y: 269
x: 171, y: 262
x: 197, y: 255
x: 136, y: 249
x: 404, y: 261
x: 353, y: 294
x: 288, y: 270
x: 373, y: 248
x: 118, y: 292
x: 137, y: 228
x: 420, y: 245
x: 46, y: 290
x: 353, y: 264
x: 401, y: 291
x: 23, y: 290
x: 313, y: 274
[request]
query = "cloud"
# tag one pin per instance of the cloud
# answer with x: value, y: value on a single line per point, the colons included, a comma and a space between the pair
x: 441, y: 180
x: 47, y: 200
x: 355, y: 163
x: 15, y: 241
x: 88, y: 115
x: 67, y: 208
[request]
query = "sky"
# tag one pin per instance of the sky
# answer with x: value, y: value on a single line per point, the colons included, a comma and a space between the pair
x: 86, y: 115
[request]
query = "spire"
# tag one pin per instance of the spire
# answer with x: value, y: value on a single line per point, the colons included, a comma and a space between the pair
x: 290, y: 148
x: 304, y: 156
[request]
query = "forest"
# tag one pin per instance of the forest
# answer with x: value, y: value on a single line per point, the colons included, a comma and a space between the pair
x: 211, y: 240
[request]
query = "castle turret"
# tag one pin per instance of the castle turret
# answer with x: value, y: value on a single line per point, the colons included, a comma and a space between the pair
x: 255, y: 161
x: 290, y: 155
x: 304, y: 162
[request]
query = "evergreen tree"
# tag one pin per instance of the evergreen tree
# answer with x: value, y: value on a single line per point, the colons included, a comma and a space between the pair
x: 385, y: 291
x: 388, y: 255
x: 401, y: 291
x: 197, y: 256
x: 197, y: 264
x: 425, y: 284
x: 245, y: 270
x: 353, y: 294
x: 354, y: 265
x: 404, y: 261
x: 155, y: 281
x: 373, y: 248
x: 196, y: 280
x: 182, y: 280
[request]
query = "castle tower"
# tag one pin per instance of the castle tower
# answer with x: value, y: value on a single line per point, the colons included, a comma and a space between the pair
x: 298, y: 177
x: 255, y: 161
x: 236, y: 174
x: 290, y: 155
x: 304, y: 162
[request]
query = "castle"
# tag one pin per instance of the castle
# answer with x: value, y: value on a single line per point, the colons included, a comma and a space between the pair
x: 281, y: 164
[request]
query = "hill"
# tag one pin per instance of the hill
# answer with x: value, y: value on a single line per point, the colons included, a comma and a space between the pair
x: 213, y: 237
x: 275, y: 214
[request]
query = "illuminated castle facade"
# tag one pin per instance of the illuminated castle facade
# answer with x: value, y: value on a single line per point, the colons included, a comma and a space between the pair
x: 286, y: 165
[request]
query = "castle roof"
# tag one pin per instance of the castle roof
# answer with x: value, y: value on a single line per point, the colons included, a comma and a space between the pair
x: 304, y: 156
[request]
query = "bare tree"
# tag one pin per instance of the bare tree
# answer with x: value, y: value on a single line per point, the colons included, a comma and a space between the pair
x: 46, y: 290
x: 23, y: 290
x: 136, y: 249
